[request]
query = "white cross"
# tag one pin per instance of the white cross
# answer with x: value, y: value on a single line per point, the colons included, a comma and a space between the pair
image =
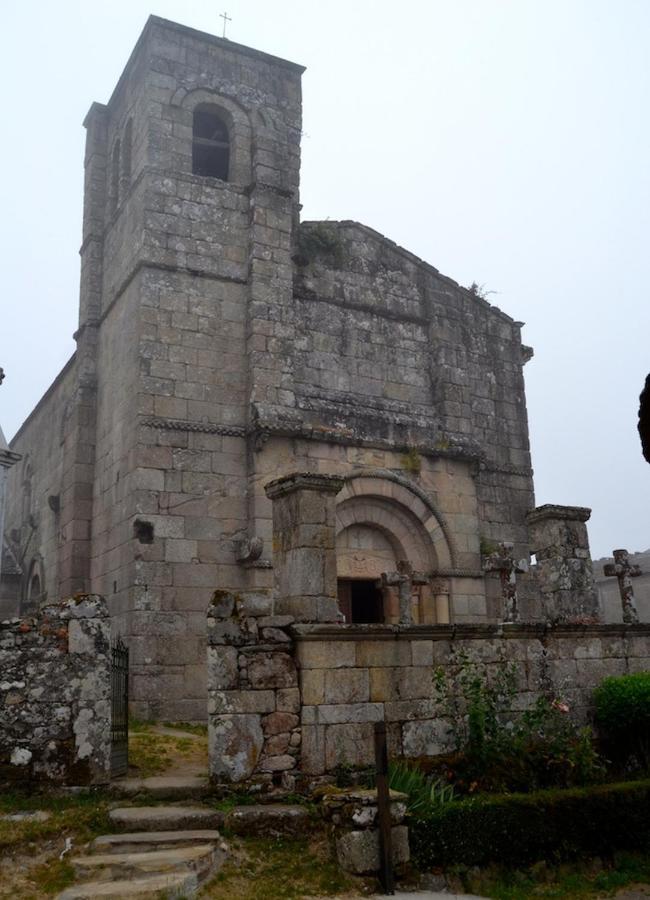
x: 226, y: 18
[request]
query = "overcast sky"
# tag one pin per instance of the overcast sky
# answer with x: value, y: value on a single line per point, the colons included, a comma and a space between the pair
x: 504, y: 141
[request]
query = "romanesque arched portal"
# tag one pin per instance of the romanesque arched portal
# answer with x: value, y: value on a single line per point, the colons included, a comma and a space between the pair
x: 391, y: 542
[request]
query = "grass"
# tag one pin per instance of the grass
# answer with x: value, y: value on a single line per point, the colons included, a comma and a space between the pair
x: 189, y: 727
x: 80, y: 817
x: 151, y: 753
x: 568, y: 881
x: 279, y: 869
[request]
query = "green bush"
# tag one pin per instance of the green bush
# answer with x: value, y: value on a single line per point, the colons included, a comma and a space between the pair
x: 522, y: 828
x: 623, y: 718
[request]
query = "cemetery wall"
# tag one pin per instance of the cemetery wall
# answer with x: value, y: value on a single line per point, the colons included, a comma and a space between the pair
x: 55, y: 695
x: 288, y: 699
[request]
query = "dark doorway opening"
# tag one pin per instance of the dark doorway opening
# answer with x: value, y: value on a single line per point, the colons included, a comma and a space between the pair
x: 361, y: 601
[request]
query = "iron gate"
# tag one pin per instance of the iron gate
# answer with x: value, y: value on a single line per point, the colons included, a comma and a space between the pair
x: 119, y: 708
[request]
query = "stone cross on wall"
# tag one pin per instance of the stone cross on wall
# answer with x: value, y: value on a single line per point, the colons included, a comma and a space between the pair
x: 625, y: 571
x: 503, y: 562
x: 403, y: 579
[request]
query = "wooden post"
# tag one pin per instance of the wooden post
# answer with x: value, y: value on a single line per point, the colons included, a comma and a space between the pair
x: 383, y: 804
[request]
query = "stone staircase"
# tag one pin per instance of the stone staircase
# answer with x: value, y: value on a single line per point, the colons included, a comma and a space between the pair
x: 160, y: 851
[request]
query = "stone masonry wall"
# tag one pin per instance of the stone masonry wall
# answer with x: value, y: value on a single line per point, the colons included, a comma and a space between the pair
x: 55, y: 705
x: 390, y: 351
x: 291, y: 699
x: 32, y: 524
x: 352, y: 676
x: 253, y: 695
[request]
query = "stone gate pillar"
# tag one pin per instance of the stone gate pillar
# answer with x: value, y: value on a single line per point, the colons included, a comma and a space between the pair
x: 564, y: 572
x: 304, y: 546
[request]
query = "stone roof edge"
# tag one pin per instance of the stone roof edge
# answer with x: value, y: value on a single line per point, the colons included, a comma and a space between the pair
x: 47, y: 393
x: 412, y: 257
x: 153, y: 21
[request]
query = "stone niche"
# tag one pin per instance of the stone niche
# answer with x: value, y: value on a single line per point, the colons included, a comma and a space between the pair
x: 55, y: 702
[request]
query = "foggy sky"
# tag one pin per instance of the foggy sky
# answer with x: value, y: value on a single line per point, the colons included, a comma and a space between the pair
x: 504, y: 141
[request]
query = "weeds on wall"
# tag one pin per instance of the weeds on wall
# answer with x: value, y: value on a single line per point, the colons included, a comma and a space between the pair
x: 412, y: 461
x: 319, y: 241
x: 498, y: 748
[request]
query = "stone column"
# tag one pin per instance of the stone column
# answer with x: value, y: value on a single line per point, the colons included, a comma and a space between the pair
x: 78, y: 474
x: 564, y: 573
x: 304, y: 545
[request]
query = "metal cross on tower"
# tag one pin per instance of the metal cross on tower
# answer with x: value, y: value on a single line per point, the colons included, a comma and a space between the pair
x: 625, y: 571
x: 226, y: 18
x: 503, y: 562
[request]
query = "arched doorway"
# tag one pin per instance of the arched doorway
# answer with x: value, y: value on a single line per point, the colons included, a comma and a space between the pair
x: 390, y: 542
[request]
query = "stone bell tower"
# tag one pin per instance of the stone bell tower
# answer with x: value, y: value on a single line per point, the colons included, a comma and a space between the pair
x: 192, y: 176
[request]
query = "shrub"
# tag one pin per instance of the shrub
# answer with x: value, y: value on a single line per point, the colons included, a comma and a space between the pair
x: 424, y: 792
x: 623, y: 718
x: 523, y: 828
x: 500, y: 749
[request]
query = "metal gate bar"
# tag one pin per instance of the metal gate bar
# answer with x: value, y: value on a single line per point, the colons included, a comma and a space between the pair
x: 119, y: 708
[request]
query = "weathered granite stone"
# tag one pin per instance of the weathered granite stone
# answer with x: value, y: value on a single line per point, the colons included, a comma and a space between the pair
x: 268, y: 820
x: 55, y: 694
x: 235, y: 743
x: 358, y: 851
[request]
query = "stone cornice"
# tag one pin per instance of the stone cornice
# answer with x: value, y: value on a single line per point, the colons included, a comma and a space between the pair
x: 303, y: 481
x: 554, y: 511
x: 470, y: 631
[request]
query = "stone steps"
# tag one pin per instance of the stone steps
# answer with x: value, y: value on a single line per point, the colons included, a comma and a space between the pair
x: 165, y: 818
x: 169, y: 886
x: 141, y: 841
x: 200, y: 859
x: 163, y: 787
x: 163, y: 852
x: 268, y: 820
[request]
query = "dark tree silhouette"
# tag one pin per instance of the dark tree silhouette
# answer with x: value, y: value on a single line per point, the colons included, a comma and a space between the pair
x: 644, y: 419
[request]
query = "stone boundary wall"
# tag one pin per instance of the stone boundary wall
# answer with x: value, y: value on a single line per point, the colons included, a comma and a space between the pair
x: 253, y: 694
x: 289, y: 700
x: 55, y: 701
x: 354, y: 675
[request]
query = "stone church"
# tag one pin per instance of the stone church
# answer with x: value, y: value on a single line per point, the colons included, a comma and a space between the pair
x: 222, y: 344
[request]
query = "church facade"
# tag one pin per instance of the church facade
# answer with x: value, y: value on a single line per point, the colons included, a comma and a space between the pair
x: 223, y: 344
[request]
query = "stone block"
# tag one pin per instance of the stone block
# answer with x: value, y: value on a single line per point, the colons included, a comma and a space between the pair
x: 279, y: 722
x: 358, y: 851
x: 412, y: 683
x: 277, y: 744
x: 422, y: 652
x: 426, y: 738
x: 283, y: 763
x: 254, y: 603
x: 350, y: 744
x: 223, y: 672
x: 268, y: 820
x: 312, y: 751
x: 384, y: 653
x: 272, y: 670
x: 288, y: 700
x: 312, y: 685
x: 222, y: 702
x: 331, y: 654
x: 223, y: 605
x: 348, y: 712
x: 345, y: 686
x: 236, y: 742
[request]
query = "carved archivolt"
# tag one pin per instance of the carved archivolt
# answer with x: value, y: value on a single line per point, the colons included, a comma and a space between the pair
x: 407, y: 520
